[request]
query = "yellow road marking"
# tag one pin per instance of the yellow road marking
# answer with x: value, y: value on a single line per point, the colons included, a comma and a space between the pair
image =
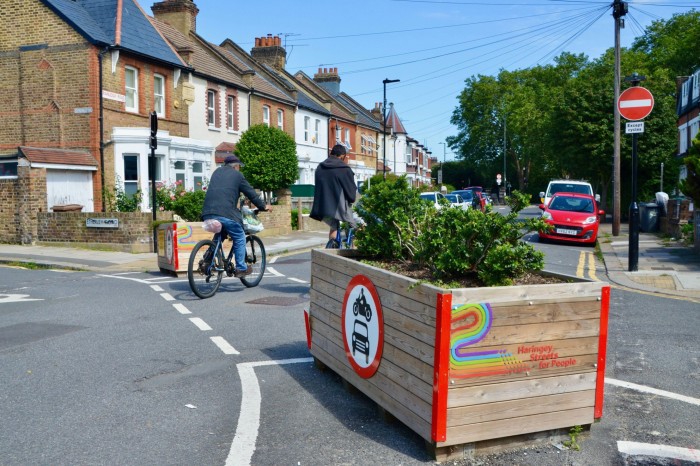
x: 591, y: 266
x: 581, y: 265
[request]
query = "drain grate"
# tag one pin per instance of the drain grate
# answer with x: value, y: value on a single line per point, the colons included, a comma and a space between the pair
x: 279, y: 301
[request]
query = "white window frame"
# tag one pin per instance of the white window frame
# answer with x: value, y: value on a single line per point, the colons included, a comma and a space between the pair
x: 230, y: 106
x: 135, y: 182
x: 280, y: 119
x: 211, y: 107
x: 317, y: 129
x: 307, y: 124
x: 347, y: 138
x: 337, y: 133
x: 131, y: 91
x: 159, y: 95
x: 684, y: 92
x: 266, y: 115
x: 696, y: 85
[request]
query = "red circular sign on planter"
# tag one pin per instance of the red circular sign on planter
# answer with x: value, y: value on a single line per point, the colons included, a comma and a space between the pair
x: 363, y: 326
x: 635, y: 103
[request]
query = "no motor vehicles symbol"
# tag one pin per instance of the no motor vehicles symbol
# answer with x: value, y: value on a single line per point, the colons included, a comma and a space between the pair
x: 635, y: 103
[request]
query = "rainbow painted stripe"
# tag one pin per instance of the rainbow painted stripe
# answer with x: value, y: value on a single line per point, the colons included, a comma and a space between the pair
x: 470, y: 324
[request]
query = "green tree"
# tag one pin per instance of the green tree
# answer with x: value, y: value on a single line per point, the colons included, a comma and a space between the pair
x: 269, y: 157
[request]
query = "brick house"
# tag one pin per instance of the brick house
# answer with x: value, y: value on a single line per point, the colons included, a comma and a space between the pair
x: 688, y: 111
x: 89, y: 74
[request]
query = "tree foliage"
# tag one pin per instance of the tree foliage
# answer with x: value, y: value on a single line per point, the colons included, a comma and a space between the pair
x: 269, y: 157
x: 558, y: 120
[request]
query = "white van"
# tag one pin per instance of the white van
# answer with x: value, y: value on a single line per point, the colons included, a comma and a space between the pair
x: 568, y: 186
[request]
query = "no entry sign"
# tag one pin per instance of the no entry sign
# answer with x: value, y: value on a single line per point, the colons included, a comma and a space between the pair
x: 635, y: 103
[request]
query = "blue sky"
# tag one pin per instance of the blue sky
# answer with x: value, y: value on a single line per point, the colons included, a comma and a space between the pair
x: 432, y: 46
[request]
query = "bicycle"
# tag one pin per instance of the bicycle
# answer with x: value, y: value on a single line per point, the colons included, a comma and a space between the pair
x: 207, y: 263
x: 344, y: 237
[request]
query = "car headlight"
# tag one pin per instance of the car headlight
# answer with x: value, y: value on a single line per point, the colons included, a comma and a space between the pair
x: 590, y: 220
x: 546, y: 216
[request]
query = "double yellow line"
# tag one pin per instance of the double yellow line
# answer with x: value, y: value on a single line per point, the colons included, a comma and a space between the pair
x: 586, y: 257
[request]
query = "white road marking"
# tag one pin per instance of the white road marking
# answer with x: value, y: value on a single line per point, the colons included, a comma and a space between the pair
x: 167, y: 296
x: 138, y: 280
x: 224, y: 345
x: 243, y: 445
x: 663, y: 451
x: 273, y: 259
x: 203, y: 326
x: 653, y: 391
x: 274, y: 272
x: 16, y: 298
x: 156, y: 288
x: 181, y: 308
x: 296, y: 280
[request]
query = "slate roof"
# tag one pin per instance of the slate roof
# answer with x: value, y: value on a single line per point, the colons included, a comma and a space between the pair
x: 202, y: 60
x: 363, y: 116
x: 117, y: 23
x: 57, y: 156
x: 338, y: 108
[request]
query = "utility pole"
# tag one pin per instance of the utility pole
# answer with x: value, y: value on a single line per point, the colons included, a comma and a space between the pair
x: 619, y: 10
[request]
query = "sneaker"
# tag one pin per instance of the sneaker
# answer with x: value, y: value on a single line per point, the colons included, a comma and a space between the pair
x: 243, y: 273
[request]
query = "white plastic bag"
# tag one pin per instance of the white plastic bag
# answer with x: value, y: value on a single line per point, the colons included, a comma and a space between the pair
x: 212, y: 225
x: 251, y: 222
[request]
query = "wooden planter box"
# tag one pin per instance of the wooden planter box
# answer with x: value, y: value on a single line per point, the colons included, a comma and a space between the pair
x: 461, y: 366
x: 175, y: 243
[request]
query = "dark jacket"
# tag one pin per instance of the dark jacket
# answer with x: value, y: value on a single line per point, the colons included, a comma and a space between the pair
x: 224, y: 189
x: 334, y: 190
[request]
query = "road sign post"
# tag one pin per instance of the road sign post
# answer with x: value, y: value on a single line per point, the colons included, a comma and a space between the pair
x: 153, y: 144
x: 634, y: 104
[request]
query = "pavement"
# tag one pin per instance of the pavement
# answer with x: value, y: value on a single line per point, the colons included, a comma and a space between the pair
x: 665, y: 266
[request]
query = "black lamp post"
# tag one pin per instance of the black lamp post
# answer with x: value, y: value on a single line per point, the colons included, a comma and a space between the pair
x: 633, y: 246
x: 385, y: 82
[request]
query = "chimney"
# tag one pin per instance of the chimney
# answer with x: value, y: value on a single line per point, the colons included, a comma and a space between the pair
x: 180, y: 14
x: 269, y: 50
x: 377, y: 111
x: 328, y: 79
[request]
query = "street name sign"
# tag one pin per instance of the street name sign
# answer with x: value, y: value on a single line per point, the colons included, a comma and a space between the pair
x: 635, y: 103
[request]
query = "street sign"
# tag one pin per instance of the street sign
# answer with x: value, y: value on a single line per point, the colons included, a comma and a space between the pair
x: 635, y: 103
x: 634, y: 127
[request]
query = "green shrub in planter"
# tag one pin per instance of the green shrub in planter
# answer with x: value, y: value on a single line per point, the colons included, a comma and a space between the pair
x: 450, y: 242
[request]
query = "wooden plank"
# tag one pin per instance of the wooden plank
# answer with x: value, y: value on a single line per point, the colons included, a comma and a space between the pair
x: 518, y: 408
x: 396, y: 371
x: 513, y: 334
x: 534, y: 355
x: 408, y: 408
x: 509, y: 427
x: 491, y: 393
x: 538, y: 313
x: 550, y: 293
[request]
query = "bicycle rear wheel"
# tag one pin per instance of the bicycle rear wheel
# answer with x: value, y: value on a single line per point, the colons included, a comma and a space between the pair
x: 332, y: 244
x: 256, y: 259
x: 204, y: 272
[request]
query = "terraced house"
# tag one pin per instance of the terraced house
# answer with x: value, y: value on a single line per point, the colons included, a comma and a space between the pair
x: 79, y: 80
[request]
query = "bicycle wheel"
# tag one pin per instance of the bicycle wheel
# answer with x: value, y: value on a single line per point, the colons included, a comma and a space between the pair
x: 204, y: 272
x: 256, y: 259
x: 332, y: 244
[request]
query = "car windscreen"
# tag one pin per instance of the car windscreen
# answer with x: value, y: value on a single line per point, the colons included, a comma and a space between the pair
x: 572, y: 204
x: 569, y: 188
x: 452, y: 198
x: 428, y: 197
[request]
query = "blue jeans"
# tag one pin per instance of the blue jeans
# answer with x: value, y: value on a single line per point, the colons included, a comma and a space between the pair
x: 235, y: 231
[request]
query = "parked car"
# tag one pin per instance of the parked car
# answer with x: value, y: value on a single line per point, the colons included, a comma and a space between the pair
x: 434, y: 197
x: 472, y: 196
x: 457, y: 201
x: 574, y: 217
x: 569, y: 186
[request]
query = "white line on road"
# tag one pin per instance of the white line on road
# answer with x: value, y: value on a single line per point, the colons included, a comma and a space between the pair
x: 167, y: 296
x: 663, y: 451
x: 273, y: 259
x: 296, y: 280
x: 274, y: 272
x: 224, y: 345
x: 654, y: 391
x: 203, y: 326
x: 181, y: 308
x: 156, y: 288
x: 243, y: 445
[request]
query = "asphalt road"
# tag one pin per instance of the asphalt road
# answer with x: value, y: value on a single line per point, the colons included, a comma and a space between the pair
x: 134, y: 369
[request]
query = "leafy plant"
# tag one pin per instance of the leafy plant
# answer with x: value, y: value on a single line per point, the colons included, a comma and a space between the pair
x: 450, y: 242
x: 574, y: 433
x: 174, y: 197
x: 269, y: 156
x: 127, y: 202
x: 295, y: 217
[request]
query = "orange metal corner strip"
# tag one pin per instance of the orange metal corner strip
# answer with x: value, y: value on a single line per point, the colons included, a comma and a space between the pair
x: 308, y: 328
x: 441, y: 367
x: 176, y: 251
x: 602, y: 353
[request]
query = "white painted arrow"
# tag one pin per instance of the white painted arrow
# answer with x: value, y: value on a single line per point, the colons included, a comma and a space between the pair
x: 15, y: 298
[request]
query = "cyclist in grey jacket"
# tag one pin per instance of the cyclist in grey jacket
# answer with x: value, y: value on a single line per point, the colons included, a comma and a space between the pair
x: 221, y: 203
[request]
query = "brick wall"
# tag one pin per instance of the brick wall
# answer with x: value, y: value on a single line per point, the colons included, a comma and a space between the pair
x: 9, y: 233
x: 279, y: 221
x: 134, y: 233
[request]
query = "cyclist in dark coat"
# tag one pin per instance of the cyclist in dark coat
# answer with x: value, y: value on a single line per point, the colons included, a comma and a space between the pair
x: 334, y: 191
x: 221, y: 203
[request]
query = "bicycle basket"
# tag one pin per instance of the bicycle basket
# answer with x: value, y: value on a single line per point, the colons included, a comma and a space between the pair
x: 212, y: 226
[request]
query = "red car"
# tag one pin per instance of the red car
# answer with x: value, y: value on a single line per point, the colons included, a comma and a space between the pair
x: 574, y: 217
